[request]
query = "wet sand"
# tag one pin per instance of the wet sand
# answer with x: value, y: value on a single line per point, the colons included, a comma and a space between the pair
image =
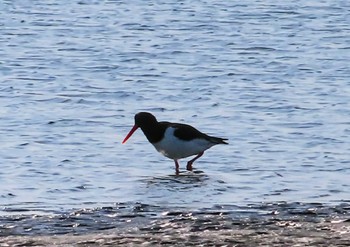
x: 206, y: 231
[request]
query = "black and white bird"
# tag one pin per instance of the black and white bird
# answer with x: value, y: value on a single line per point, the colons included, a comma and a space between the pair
x: 174, y: 140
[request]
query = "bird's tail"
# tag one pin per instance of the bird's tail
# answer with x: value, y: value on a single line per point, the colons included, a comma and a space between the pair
x: 217, y: 140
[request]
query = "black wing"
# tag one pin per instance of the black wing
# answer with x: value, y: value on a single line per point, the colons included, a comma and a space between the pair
x: 187, y: 133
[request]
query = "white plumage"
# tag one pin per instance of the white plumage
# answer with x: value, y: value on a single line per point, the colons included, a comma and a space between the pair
x: 175, y: 148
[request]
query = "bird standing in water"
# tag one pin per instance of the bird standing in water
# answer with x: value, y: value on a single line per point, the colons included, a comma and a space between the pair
x: 174, y: 140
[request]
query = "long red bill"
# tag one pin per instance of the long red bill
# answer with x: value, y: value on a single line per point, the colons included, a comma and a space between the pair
x: 130, y: 133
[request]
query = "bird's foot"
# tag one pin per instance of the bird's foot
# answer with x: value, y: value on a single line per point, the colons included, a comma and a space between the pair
x: 189, y: 166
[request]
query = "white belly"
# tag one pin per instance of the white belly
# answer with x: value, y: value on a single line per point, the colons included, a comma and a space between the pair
x: 174, y: 148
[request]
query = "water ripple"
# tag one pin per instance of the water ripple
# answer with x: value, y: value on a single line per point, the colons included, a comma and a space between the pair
x: 272, y: 77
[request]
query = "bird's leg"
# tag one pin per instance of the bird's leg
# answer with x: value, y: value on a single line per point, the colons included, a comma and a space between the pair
x: 189, y: 164
x: 177, y: 171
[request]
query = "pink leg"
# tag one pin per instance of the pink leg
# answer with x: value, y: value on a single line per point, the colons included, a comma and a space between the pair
x: 189, y: 164
x: 177, y: 167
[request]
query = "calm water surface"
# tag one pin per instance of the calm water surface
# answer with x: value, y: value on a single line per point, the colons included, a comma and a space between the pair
x: 272, y: 76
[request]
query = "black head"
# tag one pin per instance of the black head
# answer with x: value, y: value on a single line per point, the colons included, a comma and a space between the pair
x: 145, y: 119
x: 149, y: 126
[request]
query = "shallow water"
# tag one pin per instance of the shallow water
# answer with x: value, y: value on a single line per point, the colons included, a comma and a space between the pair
x: 272, y: 77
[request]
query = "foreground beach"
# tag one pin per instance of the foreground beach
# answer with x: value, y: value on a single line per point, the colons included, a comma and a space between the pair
x: 278, y: 226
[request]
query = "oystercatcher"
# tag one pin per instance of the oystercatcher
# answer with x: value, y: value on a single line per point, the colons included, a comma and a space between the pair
x: 174, y: 140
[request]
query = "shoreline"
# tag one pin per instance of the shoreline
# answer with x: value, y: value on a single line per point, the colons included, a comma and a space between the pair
x: 219, y: 231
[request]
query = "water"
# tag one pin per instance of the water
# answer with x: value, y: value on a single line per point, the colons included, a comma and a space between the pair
x: 271, y: 76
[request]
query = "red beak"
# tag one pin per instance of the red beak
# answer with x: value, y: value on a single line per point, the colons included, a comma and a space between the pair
x: 130, y: 133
